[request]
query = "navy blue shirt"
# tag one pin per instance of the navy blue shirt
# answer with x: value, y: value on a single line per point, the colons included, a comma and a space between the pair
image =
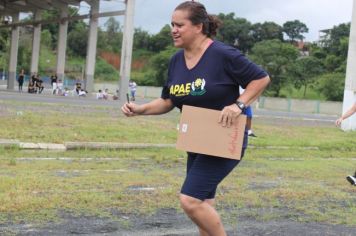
x: 214, y: 81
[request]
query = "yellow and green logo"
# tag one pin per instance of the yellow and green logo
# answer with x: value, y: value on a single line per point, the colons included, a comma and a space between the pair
x: 198, y: 87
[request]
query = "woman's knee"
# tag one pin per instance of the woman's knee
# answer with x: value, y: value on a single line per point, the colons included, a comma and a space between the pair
x: 189, y: 204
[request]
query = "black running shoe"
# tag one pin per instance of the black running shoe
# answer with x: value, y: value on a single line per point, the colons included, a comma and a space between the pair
x: 351, y: 179
x: 252, y: 135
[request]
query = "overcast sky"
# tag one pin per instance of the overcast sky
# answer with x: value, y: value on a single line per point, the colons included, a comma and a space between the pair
x: 152, y: 15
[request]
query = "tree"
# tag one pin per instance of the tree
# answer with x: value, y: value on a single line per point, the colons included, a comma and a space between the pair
x: 332, y: 62
x: 333, y: 48
x: 46, y: 39
x: 113, y: 35
x: 295, y: 30
x: 141, y: 39
x: 161, y: 40
x: 236, y: 32
x: 336, y: 36
x: 53, y: 28
x: 78, y: 40
x: 159, y: 64
x: 332, y: 86
x: 267, y: 31
x: 112, y: 27
x: 304, y: 71
x: 25, y: 48
x: 4, y: 47
x: 274, y: 56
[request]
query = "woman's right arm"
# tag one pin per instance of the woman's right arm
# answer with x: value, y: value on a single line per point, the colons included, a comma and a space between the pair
x: 155, y: 107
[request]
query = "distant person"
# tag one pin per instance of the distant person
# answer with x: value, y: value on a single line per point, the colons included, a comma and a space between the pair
x: 204, y: 73
x: 78, y: 88
x: 82, y: 93
x: 249, y: 122
x: 106, y: 94
x: 116, y: 96
x: 60, y: 87
x: 54, y: 83
x: 39, y: 84
x: 31, y: 87
x: 99, y: 94
x: 34, y: 79
x: 133, y: 88
x: 248, y: 113
x: 347, y: 114
x: 65, y: 92
x: 21, y: 79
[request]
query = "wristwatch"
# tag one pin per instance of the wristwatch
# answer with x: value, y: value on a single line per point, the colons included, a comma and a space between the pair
x: 241, y: 105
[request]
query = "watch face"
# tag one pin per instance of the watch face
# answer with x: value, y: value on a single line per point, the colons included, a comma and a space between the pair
x: 240, y: 105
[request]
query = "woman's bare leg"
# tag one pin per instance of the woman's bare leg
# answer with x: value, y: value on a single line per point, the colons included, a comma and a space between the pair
x: 211, y: 202
x: 203, y: 214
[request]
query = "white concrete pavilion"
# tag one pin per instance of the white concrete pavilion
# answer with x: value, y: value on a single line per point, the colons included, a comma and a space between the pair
x: 11, y: 9
x: 350, y: 82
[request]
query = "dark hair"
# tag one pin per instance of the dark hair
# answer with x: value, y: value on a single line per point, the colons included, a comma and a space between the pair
x: 199, y: 15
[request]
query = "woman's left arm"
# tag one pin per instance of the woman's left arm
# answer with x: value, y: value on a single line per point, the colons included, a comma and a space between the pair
x: 253, y: 90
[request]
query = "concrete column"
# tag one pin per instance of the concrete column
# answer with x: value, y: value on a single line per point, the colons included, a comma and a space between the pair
x: 126, y: 51
x: 36, y: 43
x: 13, y: 53
x: 91, y: 49
x: 350, y: 83
x: 62, y: 44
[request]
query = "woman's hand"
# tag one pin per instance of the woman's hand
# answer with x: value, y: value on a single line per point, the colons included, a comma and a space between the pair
x: 338, y: 121
x: 131, y: 109
x: 155, y: 107
x: 229, y: 115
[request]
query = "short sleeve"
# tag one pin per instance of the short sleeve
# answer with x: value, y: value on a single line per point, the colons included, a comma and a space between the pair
x: 241, y: 69
x: 165, y: 92
x: 165, y: 89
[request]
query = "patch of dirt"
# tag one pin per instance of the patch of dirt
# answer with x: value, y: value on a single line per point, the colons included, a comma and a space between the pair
x: 168, y: 222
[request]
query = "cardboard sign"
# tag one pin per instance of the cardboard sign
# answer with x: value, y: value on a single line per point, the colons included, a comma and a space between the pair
x: 200, y: 132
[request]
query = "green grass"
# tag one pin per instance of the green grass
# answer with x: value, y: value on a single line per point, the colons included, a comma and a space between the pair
x: 305, y: 185
x: 263, y: 187
x: 292, y: 92
x: 97, y: 125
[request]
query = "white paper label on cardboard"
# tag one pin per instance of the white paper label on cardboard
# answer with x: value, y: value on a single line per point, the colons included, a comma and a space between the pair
x: 184, y: 128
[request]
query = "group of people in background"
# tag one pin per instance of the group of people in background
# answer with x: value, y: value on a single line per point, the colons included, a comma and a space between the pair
x: 35, y: 85
x: 102, y: 94
x: 105, y: 95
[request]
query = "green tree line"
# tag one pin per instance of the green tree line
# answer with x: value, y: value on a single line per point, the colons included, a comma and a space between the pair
x: 295, y: 67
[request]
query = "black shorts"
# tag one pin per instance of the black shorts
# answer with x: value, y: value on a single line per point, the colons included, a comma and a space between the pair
x: 204, y: 173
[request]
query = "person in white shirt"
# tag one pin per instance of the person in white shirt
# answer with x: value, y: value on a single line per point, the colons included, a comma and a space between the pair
x: 99, y: 94
x: 82, y: 93
x: 133, y: 88
x: 59, y: 87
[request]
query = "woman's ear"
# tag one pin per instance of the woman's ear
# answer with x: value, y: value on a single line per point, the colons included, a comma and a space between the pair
x: 199, y: 28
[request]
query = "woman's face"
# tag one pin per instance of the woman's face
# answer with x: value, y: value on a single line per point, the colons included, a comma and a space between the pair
x: 183, y: 31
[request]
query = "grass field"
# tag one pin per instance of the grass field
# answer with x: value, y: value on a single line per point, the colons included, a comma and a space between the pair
x: 304, y: 182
